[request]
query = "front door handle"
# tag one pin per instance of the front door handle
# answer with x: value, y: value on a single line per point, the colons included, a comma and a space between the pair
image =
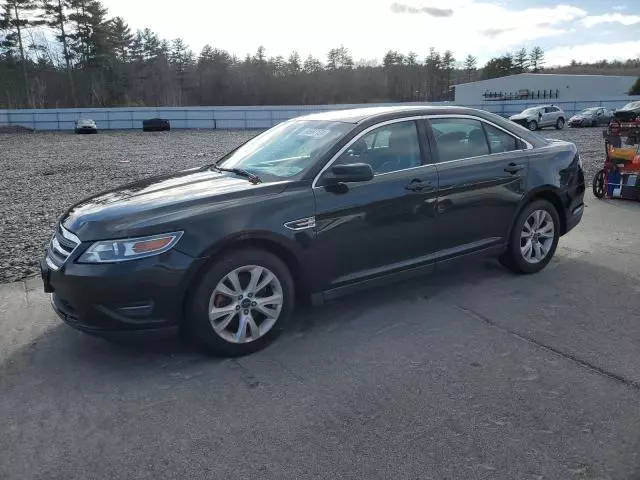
x: 416, y: 185
x: 513, y: 168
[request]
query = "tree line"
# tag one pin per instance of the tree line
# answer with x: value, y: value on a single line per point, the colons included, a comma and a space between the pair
x: 65, y: 53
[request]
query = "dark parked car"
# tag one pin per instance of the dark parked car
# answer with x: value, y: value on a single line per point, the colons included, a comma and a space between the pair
x: 591, y: 117
x: 156, y: 125
x: 629, y: 113
x: 315, y: 207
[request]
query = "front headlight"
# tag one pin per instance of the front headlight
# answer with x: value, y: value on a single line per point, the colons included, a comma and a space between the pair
x: 111, y: 251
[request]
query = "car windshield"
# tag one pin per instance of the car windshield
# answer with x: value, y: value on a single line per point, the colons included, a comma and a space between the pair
x: 631, y: 106
x: 287, y: 149
x: 530, y: 111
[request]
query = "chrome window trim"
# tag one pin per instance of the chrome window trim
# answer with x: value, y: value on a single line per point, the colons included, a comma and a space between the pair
x: 529, y: 145
x: 314, y: 184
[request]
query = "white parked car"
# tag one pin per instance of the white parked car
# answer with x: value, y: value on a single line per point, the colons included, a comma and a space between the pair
x: 541, y: 116
x: 86, y: 125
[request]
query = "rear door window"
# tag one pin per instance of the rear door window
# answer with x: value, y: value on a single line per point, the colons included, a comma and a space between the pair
x: 458, y: 138
x: 499, y: 140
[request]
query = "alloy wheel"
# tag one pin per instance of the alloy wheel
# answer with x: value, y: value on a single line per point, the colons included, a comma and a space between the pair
x: 537, y: 236
x: 246, y: 304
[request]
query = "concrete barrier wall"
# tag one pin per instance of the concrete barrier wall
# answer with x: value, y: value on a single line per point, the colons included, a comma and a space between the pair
x: 236, y: 117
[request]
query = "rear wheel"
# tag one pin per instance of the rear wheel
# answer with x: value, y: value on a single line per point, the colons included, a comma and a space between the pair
x: 560, y: 124
x: 534, y: 238
x: 241, y: 304
x: 533, y: 125
x: 599, y: 184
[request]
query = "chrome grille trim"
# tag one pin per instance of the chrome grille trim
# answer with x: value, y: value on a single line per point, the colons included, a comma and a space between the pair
x: 63, y: 243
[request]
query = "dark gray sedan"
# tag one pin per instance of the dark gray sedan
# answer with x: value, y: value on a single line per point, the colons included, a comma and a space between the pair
x: 591, y: 117
x: 317, y: 206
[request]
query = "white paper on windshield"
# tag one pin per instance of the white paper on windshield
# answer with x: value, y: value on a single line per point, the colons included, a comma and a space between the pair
x: 313, y: 132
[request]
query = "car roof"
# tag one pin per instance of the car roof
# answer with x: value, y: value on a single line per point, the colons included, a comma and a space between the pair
x: 359, y: 115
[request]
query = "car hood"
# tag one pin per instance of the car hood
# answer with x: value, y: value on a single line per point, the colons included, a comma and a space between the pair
x: 520, y: 116
x: 580, y: 117
x: 161, y: 204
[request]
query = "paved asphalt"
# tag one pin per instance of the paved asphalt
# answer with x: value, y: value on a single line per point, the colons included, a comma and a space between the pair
x: 468, y: 374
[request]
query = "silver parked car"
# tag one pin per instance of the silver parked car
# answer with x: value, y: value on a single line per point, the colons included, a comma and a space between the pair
x: 591, y: 117
x: 541, y: 116
x: 86, y: 125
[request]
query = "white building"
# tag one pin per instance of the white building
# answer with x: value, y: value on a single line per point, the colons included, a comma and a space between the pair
x: 558, y: 88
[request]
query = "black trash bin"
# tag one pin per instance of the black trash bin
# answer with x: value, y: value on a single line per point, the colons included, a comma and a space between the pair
x: 156, y: 125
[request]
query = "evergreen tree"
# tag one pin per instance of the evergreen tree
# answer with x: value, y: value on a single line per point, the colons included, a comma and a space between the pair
x: 312, y: 65
x: 293, y: 63
x: 121, y: 39
x: 470, y: 65
x: 339, y: 58
x: 536, y: 59
x: 15, y: 20
x: 521, y: 61
x: 635, y: 89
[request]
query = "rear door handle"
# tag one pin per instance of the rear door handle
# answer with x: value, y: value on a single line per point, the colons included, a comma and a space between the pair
x: 417, y: 185
x: 513, y: 168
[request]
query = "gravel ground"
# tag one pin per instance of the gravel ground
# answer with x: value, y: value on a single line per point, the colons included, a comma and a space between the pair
x: 45, y: 173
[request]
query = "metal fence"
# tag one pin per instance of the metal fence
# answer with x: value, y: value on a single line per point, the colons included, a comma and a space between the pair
x: 236, y: 117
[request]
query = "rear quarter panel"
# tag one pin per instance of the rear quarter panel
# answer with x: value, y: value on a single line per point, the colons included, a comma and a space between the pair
x: 556, y: 168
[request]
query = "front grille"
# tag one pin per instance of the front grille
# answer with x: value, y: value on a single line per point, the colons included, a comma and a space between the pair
x: 522, y: 122
x: 62, y: 244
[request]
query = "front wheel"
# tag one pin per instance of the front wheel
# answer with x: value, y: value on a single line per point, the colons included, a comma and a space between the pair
x: 599, y: 184
x: 533, y: 125
x: 534, y: 238
x: 560, y: 124
x: 241, y: 304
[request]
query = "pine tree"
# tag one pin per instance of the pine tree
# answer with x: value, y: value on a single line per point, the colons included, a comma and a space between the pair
x: 121, y: 39
x: 293, y: 63
x: 312, y: 65
x: 536, y: 59
x: 433, y: 64
x: 339, y: 58
x: 15, y: 20
x: 521, y: 60
x: 448, y: 64
x: 470, y: 65
x: 635, y: 89
x: 54, y: 14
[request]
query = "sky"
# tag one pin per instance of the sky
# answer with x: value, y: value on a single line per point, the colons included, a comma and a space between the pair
x: 584, y: 30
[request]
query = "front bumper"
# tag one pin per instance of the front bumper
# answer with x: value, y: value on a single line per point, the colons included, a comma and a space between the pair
x: 577, y: 123
x: 139, y: 295
x: 86, y: 130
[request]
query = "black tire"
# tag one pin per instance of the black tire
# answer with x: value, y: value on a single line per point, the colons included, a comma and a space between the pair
x: 513, y: 258
x: 532, y: 125
x: 560, y: 124
x: 599, y: 185
x: 198, y: 324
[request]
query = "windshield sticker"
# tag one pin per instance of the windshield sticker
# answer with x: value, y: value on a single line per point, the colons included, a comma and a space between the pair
x: 313, y: 132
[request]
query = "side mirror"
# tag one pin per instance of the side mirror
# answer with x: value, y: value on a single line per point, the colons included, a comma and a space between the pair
x: 352, y: 172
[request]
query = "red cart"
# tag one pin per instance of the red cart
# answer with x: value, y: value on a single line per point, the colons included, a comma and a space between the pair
x: 620, y: 175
